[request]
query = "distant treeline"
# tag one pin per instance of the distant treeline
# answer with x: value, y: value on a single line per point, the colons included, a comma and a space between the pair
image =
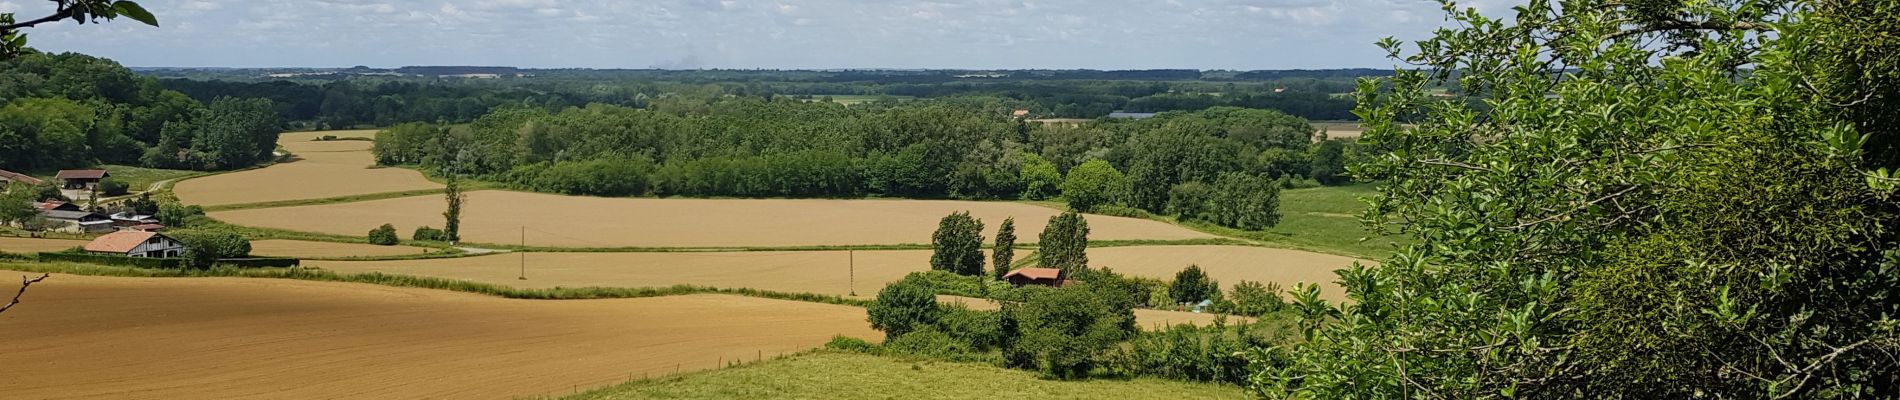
x: 71, y: 110
x: 954, y: 148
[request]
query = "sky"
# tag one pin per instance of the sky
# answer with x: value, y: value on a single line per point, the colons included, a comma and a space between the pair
x: 780, y: 34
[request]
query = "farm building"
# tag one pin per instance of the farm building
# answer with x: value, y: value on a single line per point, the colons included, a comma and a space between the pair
x: 137, y: 244
x: 1034, y: 276
x: 81, y: 178
x: 56, y: 205
x: 8, y: 178
x: 80, y: 221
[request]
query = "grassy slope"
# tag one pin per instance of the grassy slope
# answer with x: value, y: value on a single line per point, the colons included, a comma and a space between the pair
x: 138, y: 178
x: 1324, y: 218
x: 835, y: 375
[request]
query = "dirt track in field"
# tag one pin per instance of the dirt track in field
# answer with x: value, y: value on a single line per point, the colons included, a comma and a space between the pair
x: 1229, y: 264
x: 306, y: 249
x: 176, y: 338
x: 570, y: 221
x: 822, y: 272
x: 319, y: 170
x: 20, y: 245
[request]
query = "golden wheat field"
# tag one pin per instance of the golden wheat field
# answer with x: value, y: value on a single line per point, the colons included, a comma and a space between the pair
x: 1229, y: 264
x: 495, y: 216
x: 822, y: 272
x: 318, y: 169
x: 177, y: 338
x: 309, y: 249
x: 20, y: 245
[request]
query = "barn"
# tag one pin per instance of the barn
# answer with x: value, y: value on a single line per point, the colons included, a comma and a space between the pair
x: 137, y: 244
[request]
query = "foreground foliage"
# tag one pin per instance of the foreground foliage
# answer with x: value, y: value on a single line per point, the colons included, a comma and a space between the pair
x: 1614, y: 207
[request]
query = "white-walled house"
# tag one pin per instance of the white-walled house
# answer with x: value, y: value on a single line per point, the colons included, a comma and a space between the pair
x: 137, y: 244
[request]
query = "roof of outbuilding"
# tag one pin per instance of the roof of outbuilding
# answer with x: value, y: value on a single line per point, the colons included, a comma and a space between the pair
x: 72, y: 215
x: 19, y: 177
x: 119, y: 242
x: 1036, y: 273
x: 81, y: 174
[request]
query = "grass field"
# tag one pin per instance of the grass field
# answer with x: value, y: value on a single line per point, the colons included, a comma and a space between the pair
x: 494, y: 216
x: 1228, y: 264
x: 1324, y: 219
x: 137, y: 179
x: 309, y: 249
x: 845, y: 376
x: 821, y: 272
x: 319, y: 169
x: 29, y: 245
x: 101, y: 337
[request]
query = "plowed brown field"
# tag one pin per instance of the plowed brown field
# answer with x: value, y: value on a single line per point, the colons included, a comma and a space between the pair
x: 1229, y: 264
x: 319, y: 170
x: 822, y: 272
x: 570, y: 221
x: 203, y: 338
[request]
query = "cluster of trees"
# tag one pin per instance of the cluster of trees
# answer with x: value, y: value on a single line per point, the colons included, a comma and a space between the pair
x: 71, y: 110
x: 963, y: 148
x: 957, y: 245
x: 1668, y: 200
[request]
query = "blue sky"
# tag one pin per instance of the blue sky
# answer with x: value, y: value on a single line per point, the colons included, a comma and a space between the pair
x: 791, y: 34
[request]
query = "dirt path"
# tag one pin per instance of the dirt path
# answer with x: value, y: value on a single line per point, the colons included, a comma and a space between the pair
x: 153, y: 338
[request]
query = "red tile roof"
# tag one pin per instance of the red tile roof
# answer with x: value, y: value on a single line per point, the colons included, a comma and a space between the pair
x: 19, y: 177
x: 119, y: 242
x: 1036, y: 273
x: 81, y: 174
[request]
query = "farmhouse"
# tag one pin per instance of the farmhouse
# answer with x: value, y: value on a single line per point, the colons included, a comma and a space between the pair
x: 136, y: 244
x: 81, y: 178
x: 1034, y: 276
x: 8, y: 178
x: 55, y: 205
x: 80, y: 221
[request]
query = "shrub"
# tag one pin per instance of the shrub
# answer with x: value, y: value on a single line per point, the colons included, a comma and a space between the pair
x: 1215, y: 353
x: 851, y: 344
x: 142, y: 205
x: 113, y: 187
x: 178, y: 216
x: 929, y: 342
x: 213, y: 244
x: 384, y: 235
x: 1062, y: 331
x: 957, y: 246
x: 902, y: 307
x: 424, y: 233
x: 1253, y: 299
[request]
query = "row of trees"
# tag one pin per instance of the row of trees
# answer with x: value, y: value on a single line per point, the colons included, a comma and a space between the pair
x: 71, y: 110
x: 957, y: 245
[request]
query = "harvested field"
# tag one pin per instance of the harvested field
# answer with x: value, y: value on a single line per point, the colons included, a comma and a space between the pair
x: 493, y: 216
x: 1146, y: 319
x: 1229, y: 264
x: 318, y: 170
x: 175, y: 338
x: 309, y: 249
x: 821, y: 272
x: 20, y: 245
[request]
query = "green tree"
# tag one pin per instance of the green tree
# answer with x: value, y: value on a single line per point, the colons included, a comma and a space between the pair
x: 904, y: 306
x: 13, y: 41
x: 1093, y: 184
x: 452, y: 225
x: 1245, y: 201
x: 1065, y: 243
x: 1191, y: 285
x: 1062, y: 332
x: 1642, y: 199
x: 178, y: 216
x: 1040, y: 178
x: 957, y: 246
x: 1003, y: 254
x: 424, y: 233
x: 384, y: 235
x: 1329, y: 162
x: 1191, y: 201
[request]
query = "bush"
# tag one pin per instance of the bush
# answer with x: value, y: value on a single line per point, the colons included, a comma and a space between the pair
x: 142, y: 205
x: 1185, y: 352
x: 904, y: 306
x: 1189, y: 201
x: 384, y: 235
x: 929, y: 342
x: 213, y: 244
x: 178, y: 216
x: 1253, y: 299
x: 424, y: 233
x: 113, y: 187
x: 957, y: 246
x: 1062, y: 331
x: 851, y: 344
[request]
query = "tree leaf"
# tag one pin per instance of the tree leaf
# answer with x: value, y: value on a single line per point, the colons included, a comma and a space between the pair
x: 135, y: 12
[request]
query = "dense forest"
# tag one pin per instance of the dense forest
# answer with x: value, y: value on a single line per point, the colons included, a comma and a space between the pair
x: 71, y: 110
x: 967, y: 148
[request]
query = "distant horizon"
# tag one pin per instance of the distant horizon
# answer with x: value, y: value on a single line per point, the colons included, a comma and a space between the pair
x: 149, y: 67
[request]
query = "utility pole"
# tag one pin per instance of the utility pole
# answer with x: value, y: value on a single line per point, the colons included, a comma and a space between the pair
x: 524, y: 253
x: 854, y: 271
